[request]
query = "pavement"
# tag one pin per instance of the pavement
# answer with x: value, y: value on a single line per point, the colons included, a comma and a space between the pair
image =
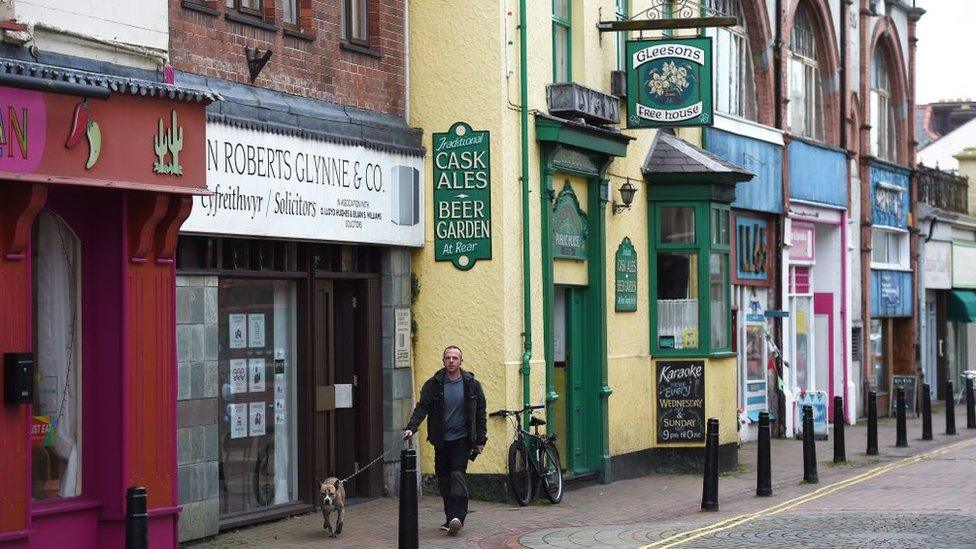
x: 905, y: 497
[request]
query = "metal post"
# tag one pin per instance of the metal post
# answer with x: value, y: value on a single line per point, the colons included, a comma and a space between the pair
x: 809, y: 447
x: 950, y: 410
x: 840, y: 453
x: 926, y: 412
x: 710, y: 483
x: 901, y: 430
x: 408, y: 533
x: 764, y: 483
x: 136, y: 518
x: 872, y: 424
x: 970, y: 409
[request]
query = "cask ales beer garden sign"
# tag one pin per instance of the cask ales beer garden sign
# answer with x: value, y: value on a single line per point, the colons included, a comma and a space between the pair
x: 462, y: 196
x: 669, y: 82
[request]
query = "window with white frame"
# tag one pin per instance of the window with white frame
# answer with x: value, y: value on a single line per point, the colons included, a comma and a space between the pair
x: 290, y: 10
x: 735, y: 84
x: 806, y: 98
x: 355, y: 21
x: 889, y: 248
x: 884, y: 140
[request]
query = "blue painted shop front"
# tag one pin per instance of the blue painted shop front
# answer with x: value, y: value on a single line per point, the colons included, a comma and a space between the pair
x: 891, y: 289
x: 757, y: 221
x: 817, y: 342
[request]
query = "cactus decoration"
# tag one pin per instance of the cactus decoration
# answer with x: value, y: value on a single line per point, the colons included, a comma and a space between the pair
x: 168, y: 141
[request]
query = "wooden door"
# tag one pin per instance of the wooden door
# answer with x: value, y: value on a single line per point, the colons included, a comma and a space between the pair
x: 323, y: 376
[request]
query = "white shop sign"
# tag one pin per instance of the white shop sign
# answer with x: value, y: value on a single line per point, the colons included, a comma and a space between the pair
x: 963, y: 264
x: 282, y: 186
x: 938, y: 265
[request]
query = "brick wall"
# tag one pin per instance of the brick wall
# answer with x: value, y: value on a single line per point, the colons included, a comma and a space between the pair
x: 208, y: 39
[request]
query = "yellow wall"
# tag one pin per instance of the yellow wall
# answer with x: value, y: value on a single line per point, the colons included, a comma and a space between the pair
x: 467, y: 71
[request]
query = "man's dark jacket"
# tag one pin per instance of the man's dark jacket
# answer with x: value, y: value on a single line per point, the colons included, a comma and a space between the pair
x: 431, y: 405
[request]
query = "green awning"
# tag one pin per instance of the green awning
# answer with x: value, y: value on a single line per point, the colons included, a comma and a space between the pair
x: 962, y: 306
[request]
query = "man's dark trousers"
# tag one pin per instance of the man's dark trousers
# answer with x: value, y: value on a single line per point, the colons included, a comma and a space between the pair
x: 451, y: 465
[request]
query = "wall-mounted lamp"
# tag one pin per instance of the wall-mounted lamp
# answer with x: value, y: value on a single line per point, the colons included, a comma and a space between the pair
x: 627, y: 192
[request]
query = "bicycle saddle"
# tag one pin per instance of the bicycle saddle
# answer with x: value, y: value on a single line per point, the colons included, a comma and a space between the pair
x: 536, y: 422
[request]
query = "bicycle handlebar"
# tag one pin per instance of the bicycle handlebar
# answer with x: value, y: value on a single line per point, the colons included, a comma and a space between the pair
x: 505, y: 413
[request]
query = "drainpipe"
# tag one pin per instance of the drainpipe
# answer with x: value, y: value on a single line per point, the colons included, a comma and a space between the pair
x: 526, y: 266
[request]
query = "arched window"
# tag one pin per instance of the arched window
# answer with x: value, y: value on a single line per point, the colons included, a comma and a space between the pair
x: 884, y: 140
x: 735, y: 84
x: 806, y: 97
x: 56, y: 413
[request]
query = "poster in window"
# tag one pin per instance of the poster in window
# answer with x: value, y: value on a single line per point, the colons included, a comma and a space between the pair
x: 255, y: 333
x: 237, y: 326
x: 238, y: 420
x: 256, y: 380
x: 238, y: 376
x: 256, y: 423
x: 754, y: 347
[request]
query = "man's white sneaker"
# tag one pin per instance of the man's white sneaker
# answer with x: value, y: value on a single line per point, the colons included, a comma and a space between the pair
x: 454, y: 526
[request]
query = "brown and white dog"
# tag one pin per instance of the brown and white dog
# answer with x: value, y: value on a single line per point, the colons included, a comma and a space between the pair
x: 333, y: 498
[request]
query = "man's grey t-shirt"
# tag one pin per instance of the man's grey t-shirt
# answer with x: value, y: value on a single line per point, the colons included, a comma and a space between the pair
x: 454, y: 425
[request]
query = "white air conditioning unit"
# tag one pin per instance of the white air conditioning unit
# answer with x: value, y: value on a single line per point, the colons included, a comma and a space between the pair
x: 406, y: 196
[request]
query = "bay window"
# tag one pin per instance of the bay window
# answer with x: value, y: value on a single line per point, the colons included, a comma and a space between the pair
x: 691, y: 304
x: 805, y: 94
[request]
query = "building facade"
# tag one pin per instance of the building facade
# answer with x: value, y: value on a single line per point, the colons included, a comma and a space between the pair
x: 293, y: 277
x: 102, y: 156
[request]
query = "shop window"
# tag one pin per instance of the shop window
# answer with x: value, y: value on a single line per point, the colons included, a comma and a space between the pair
x: 250, y: 7
x: 562, y: 41
x: 355, y: 21
x: 257, y: 403
x: 735, y: 84
x: 801, y: 311
x: 884, y: 140
x: 692, y: 242
x: 889, y: 248
x: 56, y: 434
x: 806, y: 97
x: 879, y: 363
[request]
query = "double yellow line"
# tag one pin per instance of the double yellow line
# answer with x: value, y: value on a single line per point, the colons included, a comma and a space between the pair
x: 687, y: 536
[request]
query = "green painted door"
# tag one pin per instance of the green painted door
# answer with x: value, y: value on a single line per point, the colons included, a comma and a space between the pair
x: 578, y: 459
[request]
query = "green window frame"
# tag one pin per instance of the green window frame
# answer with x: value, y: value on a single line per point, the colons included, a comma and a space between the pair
x: 562, y: 40
x: 696, y: 317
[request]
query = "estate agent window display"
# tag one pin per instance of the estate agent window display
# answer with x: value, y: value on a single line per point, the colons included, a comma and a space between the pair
x: 691, y: 312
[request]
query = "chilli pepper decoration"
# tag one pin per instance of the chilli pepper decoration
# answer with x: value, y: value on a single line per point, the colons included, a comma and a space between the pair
x: 83, y: 124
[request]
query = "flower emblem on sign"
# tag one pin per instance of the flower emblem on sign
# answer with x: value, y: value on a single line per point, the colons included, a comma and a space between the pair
x: 670, y: 82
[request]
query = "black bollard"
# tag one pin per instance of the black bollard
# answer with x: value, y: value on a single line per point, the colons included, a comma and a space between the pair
x: 901, y: 430
x: 970, y: 409
x: 764, y: 482
x: 408, y: 533
x: 809, y: 447
x: 840, y: 454
x: 136, y: 518
x: 926, y: 412
x: 950, y: 410
x: 872, y: 424
x: 710, y: 484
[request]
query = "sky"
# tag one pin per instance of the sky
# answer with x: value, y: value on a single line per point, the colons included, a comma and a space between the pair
x: 946, y: 54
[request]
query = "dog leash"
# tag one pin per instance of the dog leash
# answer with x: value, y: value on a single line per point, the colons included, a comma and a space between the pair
x: 368, y: 465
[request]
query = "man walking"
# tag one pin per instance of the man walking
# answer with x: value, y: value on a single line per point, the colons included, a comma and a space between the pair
x: 454, y: 404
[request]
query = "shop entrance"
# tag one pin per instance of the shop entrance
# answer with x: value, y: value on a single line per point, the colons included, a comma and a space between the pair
x: 346, y: 429
x: 572, y: 382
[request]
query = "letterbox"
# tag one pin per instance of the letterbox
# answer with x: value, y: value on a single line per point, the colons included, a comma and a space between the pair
x: 18, y: 378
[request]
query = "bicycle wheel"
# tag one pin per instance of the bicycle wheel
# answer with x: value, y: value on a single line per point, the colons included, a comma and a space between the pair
x: 552, y: 473
x: 520, y: 473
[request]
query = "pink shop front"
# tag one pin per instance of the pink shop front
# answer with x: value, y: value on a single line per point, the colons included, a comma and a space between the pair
x: 93, y: 189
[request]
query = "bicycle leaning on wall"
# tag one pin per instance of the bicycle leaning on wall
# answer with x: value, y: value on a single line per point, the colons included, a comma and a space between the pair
x: 533, y: 460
